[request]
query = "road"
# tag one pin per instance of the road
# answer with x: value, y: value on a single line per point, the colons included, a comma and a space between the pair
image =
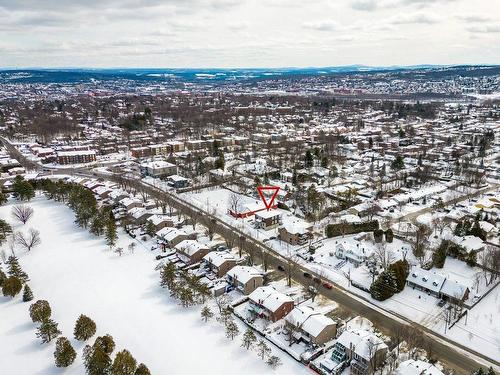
x: 453, y: 355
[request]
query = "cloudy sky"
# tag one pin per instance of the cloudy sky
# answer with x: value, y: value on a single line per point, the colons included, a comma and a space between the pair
x: 247, y: 33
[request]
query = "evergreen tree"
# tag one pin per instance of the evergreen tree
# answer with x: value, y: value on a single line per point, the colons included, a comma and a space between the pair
x: 85, y: 328
x: 262, y: 349
x: 206, y: 313
x: 22, y: 189
x: 398, y: 163
x: 249, y: 339
x: 231, y: 329
x: 47, y: 331
x: 96, y: 360
x: 3, y: 277
x: 5, y: 230
x: 11, y: 286
x: 142, y: 370
x: 400, y: 270
x: 384, y: 286
x: 309, y: 159
x: 274, y: 362
x: 27, y: 293
x: 3, y: 198
x: 14, y: 269
x: 491, y: 371
x: 439, y: 255
x: 111, y: 235
x: 167, y: 275
x: 40, y: 311
x: 124, y: 364
x: 106, y: 343
x: 65, y: 354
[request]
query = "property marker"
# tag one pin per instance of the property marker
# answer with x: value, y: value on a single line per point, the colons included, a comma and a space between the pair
x: 261, y: 190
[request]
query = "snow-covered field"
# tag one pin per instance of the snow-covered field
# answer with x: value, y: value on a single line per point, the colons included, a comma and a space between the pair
x: 77, y: 273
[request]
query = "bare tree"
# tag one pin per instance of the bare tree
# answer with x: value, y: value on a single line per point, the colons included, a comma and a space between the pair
x: 22, y: 213
x: 235, y: 202
x: 29, y: 240
x: 383, y: 255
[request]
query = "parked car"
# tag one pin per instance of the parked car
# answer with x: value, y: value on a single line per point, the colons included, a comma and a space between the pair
x: 327, y: 285
x: 307, y: 275
x: 441, y: 303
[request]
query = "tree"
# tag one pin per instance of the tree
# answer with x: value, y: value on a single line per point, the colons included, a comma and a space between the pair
x: 14, y: 269
x: 22, y: 189
x: 400, y: 270
x: 96, y: 360
x: 40, y: 311
x: 64, y: 354
x: 398, y: 163
x: 308, y: 162
x: 111, y: 235
x: 439, y: 255
x: 22, y: 213
x: 11, y: 286
x: 124, y: 364
x: 274, y: 362
x: 421, y: 242
x: 3, y: 277
x: 206, y: 313
x: 85, y: 328
x: 3, y: 198
x: 30, y: 240
x: 249, y: 339
x: 383, y: 255
x: 47, y: 331
x: 27, y: 293
x: 106, y: 343
x: 262, y: 349
x: 167, y: 275
x: 231, y: 329
x: 5, y: 230
x: 384, y: 286
x: 142, y: 370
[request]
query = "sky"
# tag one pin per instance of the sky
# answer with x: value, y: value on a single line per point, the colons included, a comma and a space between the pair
x: 247, y: 33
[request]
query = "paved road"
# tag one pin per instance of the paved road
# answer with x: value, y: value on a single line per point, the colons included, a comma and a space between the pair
x: 388, y: 322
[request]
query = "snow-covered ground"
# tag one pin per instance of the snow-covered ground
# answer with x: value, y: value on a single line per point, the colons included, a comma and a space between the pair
x: 77, y: 273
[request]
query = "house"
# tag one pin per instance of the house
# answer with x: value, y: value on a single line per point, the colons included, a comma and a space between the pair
x: 454, y: 291
x: 191, y: 251
x: 177, y: 182
x: 354, y: 253
x: 245, y: 279
x: 267, y: 303
x: 267, y: 220
x: 161, y: 221
x: 158, y: 169
x: 417, y: 367
x: 360, y: 348
x: 171, y: 236
x: 219, y: 262
x: 428, y: 281
x: 139, y: 215
x: 310, y: 326
x: 469, y: 243
x: 294, y: 234
x: 129, y: 203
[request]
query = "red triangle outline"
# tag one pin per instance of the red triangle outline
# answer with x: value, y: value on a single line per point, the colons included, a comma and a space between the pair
x: 260, y: 189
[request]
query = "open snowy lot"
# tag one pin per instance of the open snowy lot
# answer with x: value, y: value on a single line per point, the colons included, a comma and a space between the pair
x: 77, y: 273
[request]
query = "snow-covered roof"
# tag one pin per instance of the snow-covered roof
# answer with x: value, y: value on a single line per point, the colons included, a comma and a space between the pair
x: 168, y: 234
x: 267, y: 214
x: 453, y: 289
x: 190, y: 247
x: 244, y: 273
x: 309, y: 320
x: 417, y: 367
x: 217, y: 258
x: 364, y: 342
x: 158, y: 219
x: 427, y: 279
x: 269, y: 298
x: 469, y: 243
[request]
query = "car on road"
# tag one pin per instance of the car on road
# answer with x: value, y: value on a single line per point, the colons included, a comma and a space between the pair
x: 307, y: 275
x: 327, y: 285
x: 281, y: 268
